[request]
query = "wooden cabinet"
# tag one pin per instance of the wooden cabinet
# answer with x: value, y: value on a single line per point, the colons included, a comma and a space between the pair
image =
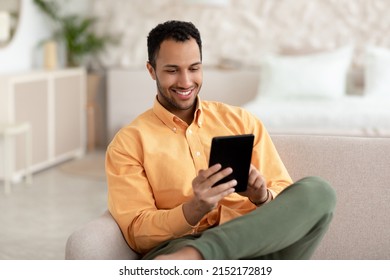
x: 53, y: 102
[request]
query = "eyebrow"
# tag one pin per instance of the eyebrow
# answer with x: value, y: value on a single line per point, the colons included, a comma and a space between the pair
x: 176, y: 66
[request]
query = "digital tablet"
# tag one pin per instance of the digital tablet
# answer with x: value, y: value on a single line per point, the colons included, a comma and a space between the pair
x: 235, y: 152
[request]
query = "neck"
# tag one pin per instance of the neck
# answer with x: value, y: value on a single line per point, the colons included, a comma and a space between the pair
x: 186, y: 115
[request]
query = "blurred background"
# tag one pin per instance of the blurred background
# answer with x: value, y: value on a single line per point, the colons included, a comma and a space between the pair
x: 72, y: 73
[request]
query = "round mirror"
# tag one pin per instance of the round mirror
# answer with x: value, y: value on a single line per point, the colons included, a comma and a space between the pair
x: 9, y: 18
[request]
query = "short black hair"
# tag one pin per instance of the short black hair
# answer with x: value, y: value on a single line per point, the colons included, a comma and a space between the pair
x: 179, y: 31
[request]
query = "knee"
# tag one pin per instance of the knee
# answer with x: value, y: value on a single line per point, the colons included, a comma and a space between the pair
x: 318, y: 193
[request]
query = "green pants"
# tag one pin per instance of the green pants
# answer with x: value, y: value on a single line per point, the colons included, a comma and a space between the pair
x: 289, y: 227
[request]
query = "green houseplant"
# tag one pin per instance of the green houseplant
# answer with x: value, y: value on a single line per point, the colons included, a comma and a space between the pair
x: 76, y: 32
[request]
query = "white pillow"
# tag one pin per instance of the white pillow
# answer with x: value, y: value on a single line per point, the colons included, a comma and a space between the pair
x: 377, y: 72
x: 320, y: 75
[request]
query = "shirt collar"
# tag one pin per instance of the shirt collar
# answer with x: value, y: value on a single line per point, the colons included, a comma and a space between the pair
x: 171, y: 120
x: 199, y: 116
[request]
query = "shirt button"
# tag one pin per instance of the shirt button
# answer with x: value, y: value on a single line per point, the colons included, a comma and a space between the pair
x: 198, y: 154
x: 174, y: 129
x: 190, y: 131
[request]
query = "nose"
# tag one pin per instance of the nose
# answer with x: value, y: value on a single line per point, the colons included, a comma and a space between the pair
x: 184, y: 79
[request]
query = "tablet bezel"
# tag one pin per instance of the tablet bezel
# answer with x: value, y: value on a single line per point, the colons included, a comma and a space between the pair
x: 233, y: 151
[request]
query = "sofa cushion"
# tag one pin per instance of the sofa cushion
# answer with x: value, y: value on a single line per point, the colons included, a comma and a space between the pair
x: 358, y: 170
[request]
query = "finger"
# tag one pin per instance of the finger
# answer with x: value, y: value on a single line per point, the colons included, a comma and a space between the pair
x: 213, y: 179
x: 253, y: 174
x: 203, y: 174
x: 210, y: 171
x: 223, y: 189
x: 229, y: 190
x: 204, y: 182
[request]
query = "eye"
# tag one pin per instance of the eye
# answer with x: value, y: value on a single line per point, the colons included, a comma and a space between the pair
x: 194, y: 69
x: 171, y: 71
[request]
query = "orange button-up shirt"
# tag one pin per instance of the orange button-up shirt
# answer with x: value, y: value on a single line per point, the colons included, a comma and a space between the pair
x: 150, y: 165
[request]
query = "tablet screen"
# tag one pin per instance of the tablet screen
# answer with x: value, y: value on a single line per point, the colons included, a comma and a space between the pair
x: 235, y: 152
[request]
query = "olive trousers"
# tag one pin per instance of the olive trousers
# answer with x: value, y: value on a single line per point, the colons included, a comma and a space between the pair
x: 290, y: 227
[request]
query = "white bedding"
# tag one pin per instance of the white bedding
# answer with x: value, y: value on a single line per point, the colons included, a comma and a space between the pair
x: 347, y: 115
x: 308, y: 94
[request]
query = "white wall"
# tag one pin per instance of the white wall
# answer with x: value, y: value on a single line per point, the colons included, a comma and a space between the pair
x: 23, y: 53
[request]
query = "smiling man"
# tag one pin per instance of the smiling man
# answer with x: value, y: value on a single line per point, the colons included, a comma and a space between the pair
x: 161, y: 188
x: 178, y: 73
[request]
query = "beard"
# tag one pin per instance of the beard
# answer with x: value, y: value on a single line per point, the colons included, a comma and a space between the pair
x: 171, y: 101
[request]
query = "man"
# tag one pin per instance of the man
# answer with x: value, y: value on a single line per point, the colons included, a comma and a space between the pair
x: 160, y: 185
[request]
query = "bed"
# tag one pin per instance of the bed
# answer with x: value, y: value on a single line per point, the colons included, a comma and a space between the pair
x: 348, y: 116
x: 311, y: 94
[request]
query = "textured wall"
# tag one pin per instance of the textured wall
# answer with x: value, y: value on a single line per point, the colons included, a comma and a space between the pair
x: 241, y: 32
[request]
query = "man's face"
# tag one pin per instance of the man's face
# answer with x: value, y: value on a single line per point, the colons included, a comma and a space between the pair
x: 178, y: 75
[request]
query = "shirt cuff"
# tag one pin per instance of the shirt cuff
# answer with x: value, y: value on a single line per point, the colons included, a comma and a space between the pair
x: 272, y: 193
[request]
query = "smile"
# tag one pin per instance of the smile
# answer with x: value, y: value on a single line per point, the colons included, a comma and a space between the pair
x: 184, y: 93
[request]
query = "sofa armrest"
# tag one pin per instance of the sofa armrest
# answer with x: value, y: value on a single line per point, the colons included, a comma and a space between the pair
x: 100, y: 239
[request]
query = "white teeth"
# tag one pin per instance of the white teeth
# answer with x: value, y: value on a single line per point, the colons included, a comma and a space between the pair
x: 184, y: 92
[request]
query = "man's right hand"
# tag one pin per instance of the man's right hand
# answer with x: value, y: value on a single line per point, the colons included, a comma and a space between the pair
x: 206, y: 197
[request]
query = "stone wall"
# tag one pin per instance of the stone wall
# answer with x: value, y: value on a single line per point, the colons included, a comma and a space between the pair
x: 239, y: 33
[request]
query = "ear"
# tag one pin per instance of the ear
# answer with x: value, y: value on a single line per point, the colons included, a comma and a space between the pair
x: 151, y: 70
